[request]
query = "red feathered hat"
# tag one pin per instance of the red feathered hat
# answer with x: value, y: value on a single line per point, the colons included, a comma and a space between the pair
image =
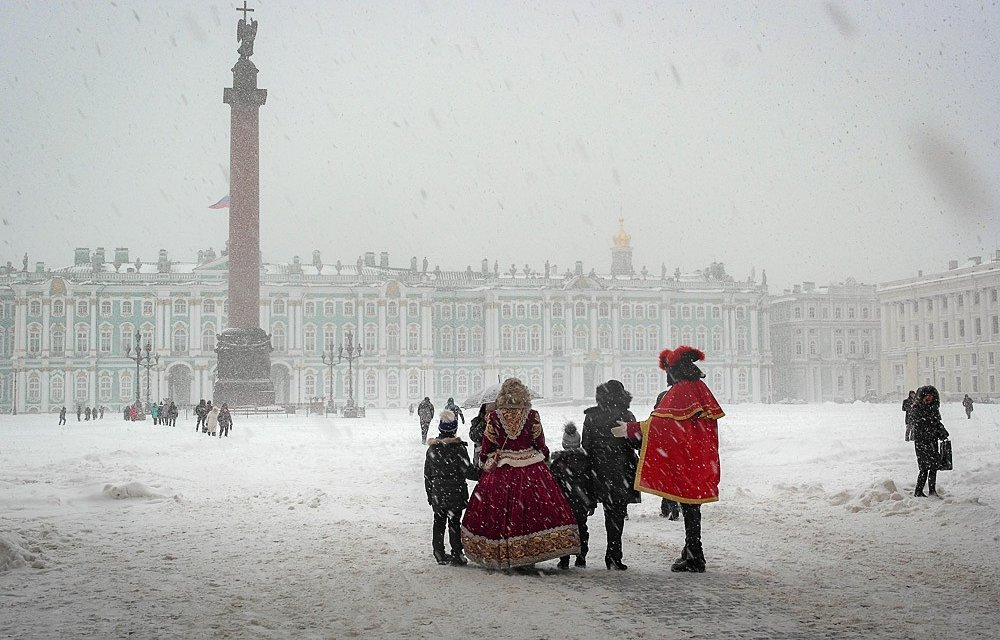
x: 669, y: 358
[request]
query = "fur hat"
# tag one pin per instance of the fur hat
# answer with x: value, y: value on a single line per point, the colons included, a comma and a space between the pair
x: 670, y: 358
x: 449, y: 422
x: 571, y: 437
x: 513, y: 395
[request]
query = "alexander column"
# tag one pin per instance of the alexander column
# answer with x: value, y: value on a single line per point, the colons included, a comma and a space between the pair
x: 244, y: 349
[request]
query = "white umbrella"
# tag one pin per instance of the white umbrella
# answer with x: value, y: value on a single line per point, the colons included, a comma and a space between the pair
x: 489, y: 394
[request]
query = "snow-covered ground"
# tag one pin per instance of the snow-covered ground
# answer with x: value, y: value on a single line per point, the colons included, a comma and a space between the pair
x: 312, y: 527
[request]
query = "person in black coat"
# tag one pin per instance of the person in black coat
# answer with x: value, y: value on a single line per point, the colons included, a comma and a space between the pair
x: 201, y: 412
x: 62, y: 416
x: 446, y: 468
x: 571, y: 468
x: 79, y: 411
x: 477, y: 429
x: 613, y: 462
x: 968, y: 404
x: 927, y: 430
x: 907, y: 406
x: 425, y: 412
x: 454, y: 408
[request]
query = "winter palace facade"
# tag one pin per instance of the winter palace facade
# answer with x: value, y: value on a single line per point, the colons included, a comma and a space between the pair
x: 423, y: 332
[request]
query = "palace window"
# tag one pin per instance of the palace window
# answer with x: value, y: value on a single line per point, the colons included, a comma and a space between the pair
x: 278, y: 339
x: 309, y: 308
x: 392, y: 340
x: 104, y: 339
x: 57, y: 392
x: 82, y: 339
x: 180, y: 306
x: 558, y: 341
x: 179, y: 339
x: 521, y: 340
x: 309, y: 339
x: 105, y: 308
x: 627, y: 344
x: 392, y: 385
x: 557, y: 310
x: 370, y: 309
x: 34, y: 339
x: 413, y: 338
x: 104, y: 387
x: 147, y: 308
x: 35, y: 308
x: 392, y: 309
x: 370, y: 338
x: 278, y: 307
x: 82, y: 387
x: 506, y: 340
x: 126, y: 307
x: 208, y: 337
x: 461, y: 340
x: 477, y: 340
x: 581, y: 339
x: 58, y: 308
x: 34, y: 388
x: 413, y: 384
x: 82, y: 308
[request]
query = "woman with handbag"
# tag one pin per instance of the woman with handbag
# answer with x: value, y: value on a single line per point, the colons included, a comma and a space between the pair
x: 927, y: 430
x: 517, y: 514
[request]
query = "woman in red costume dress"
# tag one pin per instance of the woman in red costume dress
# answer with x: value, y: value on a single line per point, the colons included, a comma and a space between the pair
x: 517, y: 515
x: 679, y: 459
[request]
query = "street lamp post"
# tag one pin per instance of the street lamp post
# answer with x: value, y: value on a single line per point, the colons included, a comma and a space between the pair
x: 143, y: 358
x: 331, y: 360
x: 351, y: 353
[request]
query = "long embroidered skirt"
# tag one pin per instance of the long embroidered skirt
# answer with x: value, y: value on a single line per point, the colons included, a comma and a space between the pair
x: 517, y: 516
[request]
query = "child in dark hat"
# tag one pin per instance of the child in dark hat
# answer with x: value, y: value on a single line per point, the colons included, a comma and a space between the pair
x: 571, y: 468
x: 446, y: 469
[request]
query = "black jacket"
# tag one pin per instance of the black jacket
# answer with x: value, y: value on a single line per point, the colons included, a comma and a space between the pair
x: 446, y: 469
x: 907, y: 406
x: 613, y: 461
x: 477, y: 429
x: 457, y: 410
x: 425, y: 411
x: 572, y: 471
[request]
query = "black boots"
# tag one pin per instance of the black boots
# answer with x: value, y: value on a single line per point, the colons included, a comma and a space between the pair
x: 563, y: 562
x: 581, y: 561
x: 441, y: 557
x: 614, y: 563
x: 458, y: 560
x: 692, y: 562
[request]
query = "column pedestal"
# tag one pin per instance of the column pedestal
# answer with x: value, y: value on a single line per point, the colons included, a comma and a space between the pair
x: 244, y: 374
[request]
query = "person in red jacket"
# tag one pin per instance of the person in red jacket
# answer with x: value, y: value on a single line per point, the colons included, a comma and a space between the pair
x: 679, y: 459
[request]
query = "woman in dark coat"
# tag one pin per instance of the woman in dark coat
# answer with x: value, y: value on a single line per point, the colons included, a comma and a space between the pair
x: 613, y: 463
x: 927, y: 430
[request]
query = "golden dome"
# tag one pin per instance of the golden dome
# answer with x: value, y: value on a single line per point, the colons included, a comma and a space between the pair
x: 622, y: 239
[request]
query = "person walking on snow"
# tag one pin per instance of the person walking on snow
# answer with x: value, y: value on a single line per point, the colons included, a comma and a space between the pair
x: 79, y: 410
x: 454, y: 408
x: 679, y: 459
x: 967, y: 403
x: 212, y: 420
x: 927, y: 430
x: 62, y: 416
x: 200, y: 411
x: 425, y: 413
x: 225, y: 420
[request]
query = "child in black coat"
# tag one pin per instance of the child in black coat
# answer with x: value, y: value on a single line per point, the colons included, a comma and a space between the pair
x: 446, y: 469
x: 571, y: 468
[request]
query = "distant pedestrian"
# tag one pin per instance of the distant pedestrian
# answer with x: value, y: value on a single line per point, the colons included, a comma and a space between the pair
x: 212, y: 420
x: 454, y: 408
x: 154, y: 411
x: 907, y: 407
x: 425, y: 412
x: 200, y: 412
x: 967, y: 403
x: 413, y: 408
x: 102, y: 412
x: 927, y: 430
x: 62, y: 416
x: 79, y: 411
x: 86, y: 414
x: 172, y: 413
x: 446, y: 468
x: 133, y: 412
x: 225, y: 420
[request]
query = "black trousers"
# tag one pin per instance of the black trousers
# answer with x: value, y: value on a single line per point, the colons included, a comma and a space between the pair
x: 614, y: 524
x: 669, y: 507
x: 581, y: 523
x: 453, y: 518
x: 62, y: 419
x: 692, y: 531
x: 423, y: 430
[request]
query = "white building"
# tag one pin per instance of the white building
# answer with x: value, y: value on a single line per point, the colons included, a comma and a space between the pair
x: 825, y: 342
x: 424, y: 332
x: 943, y: 329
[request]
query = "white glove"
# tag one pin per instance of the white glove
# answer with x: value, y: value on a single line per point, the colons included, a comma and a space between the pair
x: 621, y: 431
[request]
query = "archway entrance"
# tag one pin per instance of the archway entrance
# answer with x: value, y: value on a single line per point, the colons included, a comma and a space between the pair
x: 179, y: 384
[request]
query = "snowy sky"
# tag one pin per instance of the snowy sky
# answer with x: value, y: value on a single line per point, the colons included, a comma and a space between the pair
x: 816, y: 140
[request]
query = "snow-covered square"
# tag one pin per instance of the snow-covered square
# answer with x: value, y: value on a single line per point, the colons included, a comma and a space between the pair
x: 320, y: 528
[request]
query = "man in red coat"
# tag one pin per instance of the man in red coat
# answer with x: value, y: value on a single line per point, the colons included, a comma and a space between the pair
x: 679, y: 459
